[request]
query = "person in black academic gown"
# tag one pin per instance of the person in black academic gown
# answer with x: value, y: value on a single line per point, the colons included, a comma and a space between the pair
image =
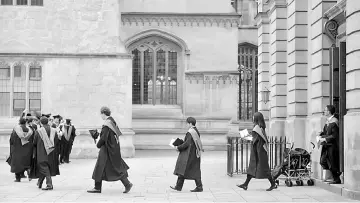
x: 188, y: 162
x: 46, y: 142
x: 329, y: 159
x: 21, y: 147
x: 109, y: 166
x: 259, y: 162
x: 67, y: 141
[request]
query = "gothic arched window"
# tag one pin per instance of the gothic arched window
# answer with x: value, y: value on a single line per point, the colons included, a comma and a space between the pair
x: 155, y: 71
x: 248, y: 64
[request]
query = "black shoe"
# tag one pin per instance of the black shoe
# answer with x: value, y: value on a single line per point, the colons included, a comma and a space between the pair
x: 94, y: 191
x: 271, y: 187
x: 335, y: 182
x: 197, y: 189
x: 39, y: 184
x: 17, y: 180
x: 175, y: 188
x: 243, y: 186
x: 128, y: 188
x: 22, y: 176
x: 48, y: 188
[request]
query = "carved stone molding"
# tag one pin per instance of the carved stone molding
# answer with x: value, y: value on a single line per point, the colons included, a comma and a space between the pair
x: 337, y: 11
x: 177, y: 19
x: 330, y: 29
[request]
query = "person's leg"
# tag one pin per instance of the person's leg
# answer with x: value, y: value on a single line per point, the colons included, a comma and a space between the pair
x: 97, y: 188
x: 199, y: 186
x: 40, y: 181
x: 246, y: 183
x: 272, y: 182
x: 127, y: 184
x: 179, y: 183
x: 17, y: 177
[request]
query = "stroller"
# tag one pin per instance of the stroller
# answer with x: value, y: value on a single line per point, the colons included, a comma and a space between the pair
x: 296, y: 167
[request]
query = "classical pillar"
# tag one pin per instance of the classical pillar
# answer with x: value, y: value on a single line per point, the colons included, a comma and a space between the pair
x: 320, y: 86
x: 297, y: 48
x: 278, y: 67
x: 352, y: 117
x: 262, y: 21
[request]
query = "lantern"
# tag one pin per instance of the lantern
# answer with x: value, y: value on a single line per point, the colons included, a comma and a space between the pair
x: 265, y: 94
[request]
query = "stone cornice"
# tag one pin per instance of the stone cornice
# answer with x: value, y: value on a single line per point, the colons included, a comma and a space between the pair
x: 262, y: 18
x: 67, y: 55
x: 337, y: 11
x: 274, y: 4
x: 181, y: 19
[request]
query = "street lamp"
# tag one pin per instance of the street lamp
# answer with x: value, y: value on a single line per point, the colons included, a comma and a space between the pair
x: 265, y: 94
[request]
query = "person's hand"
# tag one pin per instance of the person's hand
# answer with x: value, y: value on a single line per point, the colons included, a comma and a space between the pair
x: 322, y: 140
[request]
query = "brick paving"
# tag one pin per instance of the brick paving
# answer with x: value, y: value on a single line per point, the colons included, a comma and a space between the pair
x: 151, y: 174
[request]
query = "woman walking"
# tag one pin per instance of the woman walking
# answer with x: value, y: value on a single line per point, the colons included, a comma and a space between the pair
x: 259, y: 165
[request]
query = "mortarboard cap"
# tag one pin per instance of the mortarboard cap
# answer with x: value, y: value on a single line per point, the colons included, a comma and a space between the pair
x: 46, y: 115
x: 57, y: 116
x: 68, y: 120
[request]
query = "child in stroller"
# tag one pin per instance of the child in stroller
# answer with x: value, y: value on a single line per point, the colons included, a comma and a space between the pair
x: 296, y: 166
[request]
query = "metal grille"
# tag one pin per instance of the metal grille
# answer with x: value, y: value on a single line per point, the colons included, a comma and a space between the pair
x: 148, y: 76
x: 160, y: 77
x: 248, y: 75
x: 21, y: 2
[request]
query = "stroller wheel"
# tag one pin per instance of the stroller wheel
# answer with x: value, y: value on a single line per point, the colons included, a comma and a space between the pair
x: 277, y: 182
x: 299, y: 183
x: 288, y: 183
x: 310, y: 182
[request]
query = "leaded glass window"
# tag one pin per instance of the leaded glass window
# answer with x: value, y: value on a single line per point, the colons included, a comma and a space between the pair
x: 247, y: 100
x: 155, y: 70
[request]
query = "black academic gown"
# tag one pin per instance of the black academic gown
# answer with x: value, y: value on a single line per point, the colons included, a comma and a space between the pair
x: 46, y: 160
x: 329, y: 158
x: 109, y: 165
x: 66, y: 145
x: 259, y: 162
x: 20, y: 154
x: 188, y: 164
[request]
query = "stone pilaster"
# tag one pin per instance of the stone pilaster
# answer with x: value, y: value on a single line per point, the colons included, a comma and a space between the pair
x: 278, y: 67
x: 320, y: 76
x: 297, y: 26
x: 352, y: 117
x: 262, y: 21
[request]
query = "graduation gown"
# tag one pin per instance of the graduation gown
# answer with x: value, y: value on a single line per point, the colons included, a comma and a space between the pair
x: 43, y: 159
x: 109, y: 165
x: 259, y: 162
x: 329, y: 158
x: 20, y: 154
x: 188, y: 164
x: 66, y: 145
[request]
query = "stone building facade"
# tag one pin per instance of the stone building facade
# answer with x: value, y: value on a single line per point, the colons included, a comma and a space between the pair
x: 154, y: 63
x: 309, y: 54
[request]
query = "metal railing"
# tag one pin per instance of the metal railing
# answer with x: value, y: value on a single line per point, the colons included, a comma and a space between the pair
x: 238, y: 153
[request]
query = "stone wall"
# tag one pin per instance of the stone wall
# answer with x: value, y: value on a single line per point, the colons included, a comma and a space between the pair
x: 61, y: 27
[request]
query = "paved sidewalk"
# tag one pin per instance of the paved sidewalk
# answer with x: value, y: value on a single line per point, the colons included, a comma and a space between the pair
x: 151, y: 174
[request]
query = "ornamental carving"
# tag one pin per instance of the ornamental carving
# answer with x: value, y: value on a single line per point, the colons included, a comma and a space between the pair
x: 188, y: 20
x: 330, y: 29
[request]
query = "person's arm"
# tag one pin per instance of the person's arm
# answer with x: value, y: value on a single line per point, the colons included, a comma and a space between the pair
x: 103, y: 136
x: 186, y: 143
x: 333, y: 136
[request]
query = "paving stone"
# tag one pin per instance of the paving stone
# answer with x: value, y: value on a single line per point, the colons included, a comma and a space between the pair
x: 152, y: 177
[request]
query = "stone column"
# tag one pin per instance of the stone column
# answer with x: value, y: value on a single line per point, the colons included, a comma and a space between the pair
x: 352, y: 117
x: 320, y: 76
x: 278, y: 67
x: 262, y: 21
x: 297, y: 26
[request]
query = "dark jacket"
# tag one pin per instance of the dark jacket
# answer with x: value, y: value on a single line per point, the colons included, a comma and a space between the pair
x: 187, y: 164
x: 259, y: 162
x: 20, y: 154
x: 109, y: 165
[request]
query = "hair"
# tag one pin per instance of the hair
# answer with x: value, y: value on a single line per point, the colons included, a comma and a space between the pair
x: 68, y: 122
x: 29, y: 120
x: 331, y: 109
x: 105, y: 110
x: 44, y: 120
x: 259, y: 120
x: 191, y: 120
x: 22, y: 121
